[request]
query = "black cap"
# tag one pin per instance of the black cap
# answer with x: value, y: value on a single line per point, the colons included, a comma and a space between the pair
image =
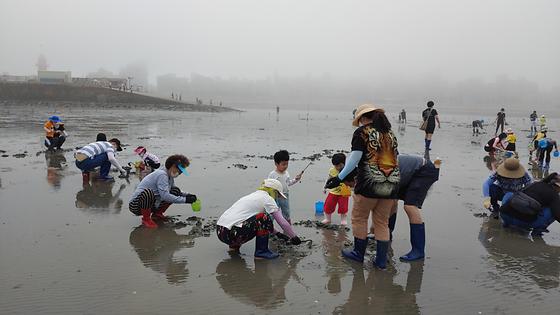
x: 118, y: 142
x: 101, y: 137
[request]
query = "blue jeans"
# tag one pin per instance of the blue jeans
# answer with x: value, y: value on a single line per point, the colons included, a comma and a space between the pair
x: 100, y: 160
x: 544, y: 218
x: 284, y: 204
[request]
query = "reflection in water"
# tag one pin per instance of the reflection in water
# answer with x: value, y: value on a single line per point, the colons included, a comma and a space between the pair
x: 99, y: 195
x: 264, y: 287
x: 427, y: 155
x: 518, y: 260
x: 378, y: 294
x: 155, y: 248
x: 402, y: 129
x: 333, y: 242
x: 56, y: 162
x: 537, y: 172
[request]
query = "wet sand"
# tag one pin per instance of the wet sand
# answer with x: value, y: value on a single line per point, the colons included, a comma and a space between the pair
x: 69, y: 248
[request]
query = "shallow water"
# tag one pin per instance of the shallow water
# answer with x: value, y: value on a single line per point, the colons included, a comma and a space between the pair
x: 68, y: 248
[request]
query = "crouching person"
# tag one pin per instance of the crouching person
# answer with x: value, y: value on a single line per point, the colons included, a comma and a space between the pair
x: 252, y: 216
x: 535, y: 207
x: 157, y: 191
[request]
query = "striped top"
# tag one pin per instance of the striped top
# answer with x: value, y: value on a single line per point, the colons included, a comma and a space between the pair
x: 96, y: 148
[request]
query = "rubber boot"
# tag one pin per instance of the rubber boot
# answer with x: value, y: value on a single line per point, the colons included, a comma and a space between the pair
x: 343, y: 220
x: 356, y: 254
x: 159, y: 214
x: 418, y: 242
x: 328, y: 217
x: 261, y: 248
x: 85, y: 177
x: 147, y: 219
x: 382, y: 248
x: 392, y: 221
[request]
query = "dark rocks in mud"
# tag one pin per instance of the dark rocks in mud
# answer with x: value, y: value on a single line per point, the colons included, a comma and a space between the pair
x: 321, y: 225
x: 20, y: 155
x: 201, y: 227
x: 5, y: 155
x: 240, y: 166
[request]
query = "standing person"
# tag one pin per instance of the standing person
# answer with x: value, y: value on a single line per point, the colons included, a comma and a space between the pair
x: 476, y: 124
x: 542, y: 121
x: 402, y: 116
x: 535, y: 207
x: 102, y: 154
x: 510, y: 140
x: 417, y: 176
x: 252, y: 216
x: 149, y: 159
x: 374, y: 151
x: 338, y: 195
x: 533, y: 117
x: 430, y: 117
x: 510, y: 176
x: 55, y: 133
x: 157, y: 191
x: 500, y: 120
x: 280, y: 173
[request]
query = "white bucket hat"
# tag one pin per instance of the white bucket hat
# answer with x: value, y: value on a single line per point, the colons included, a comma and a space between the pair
x: 274, y: 184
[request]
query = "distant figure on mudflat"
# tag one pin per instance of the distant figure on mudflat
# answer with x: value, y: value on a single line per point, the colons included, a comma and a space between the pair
x: 500, y: 120
x: 402, y: 117
x: 476, y: 124
x: 533, y: 117
x: 430, y: 117
x: 55, y: 134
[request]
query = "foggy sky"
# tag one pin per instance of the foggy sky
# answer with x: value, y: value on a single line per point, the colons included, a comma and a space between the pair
x: 257, y: 38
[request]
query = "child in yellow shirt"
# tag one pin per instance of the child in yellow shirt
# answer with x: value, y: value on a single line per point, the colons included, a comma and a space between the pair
x: 510, y: 139
x: 338, y: 195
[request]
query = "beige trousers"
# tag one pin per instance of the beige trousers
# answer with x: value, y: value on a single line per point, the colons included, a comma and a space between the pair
x: 380, y: 210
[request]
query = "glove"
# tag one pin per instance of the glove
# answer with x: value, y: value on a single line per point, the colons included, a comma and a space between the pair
x: 189, y: 198
x: 123, y: 175
x: 282, y: 236
x: 333, y: 182
x: 486, y: 203
x: 295, y: 240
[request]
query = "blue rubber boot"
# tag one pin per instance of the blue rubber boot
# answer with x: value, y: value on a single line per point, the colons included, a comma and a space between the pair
x: 381, y: 254
x: 392, y: 221
x: 418, y: 241
x: 261, y: 248
x: 356, y: 254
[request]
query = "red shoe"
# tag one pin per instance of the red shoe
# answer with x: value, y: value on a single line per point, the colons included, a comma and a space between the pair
x: 147, y: 220
x: 159, y: 214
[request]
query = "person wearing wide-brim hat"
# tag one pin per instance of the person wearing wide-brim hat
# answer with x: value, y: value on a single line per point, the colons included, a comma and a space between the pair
x: 535, y: 207
x: 510, y: 176
x: 253, y: 216
x: 374, y: 153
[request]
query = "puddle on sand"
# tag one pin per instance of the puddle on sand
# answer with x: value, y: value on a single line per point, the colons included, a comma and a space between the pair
x: 73, y: 248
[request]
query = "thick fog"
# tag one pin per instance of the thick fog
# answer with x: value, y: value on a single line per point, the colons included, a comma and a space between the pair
x: 300, y: 52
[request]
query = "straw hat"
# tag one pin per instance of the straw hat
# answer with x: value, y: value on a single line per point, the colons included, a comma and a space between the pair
x: 511, y: 168
x: 362, y: 109
x: 509, y: 131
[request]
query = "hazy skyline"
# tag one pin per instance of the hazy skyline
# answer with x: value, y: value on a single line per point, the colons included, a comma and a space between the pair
x: 454, y: 40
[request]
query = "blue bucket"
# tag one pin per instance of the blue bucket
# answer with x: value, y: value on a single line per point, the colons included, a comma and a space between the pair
x: 556, y: 154
x: 319, y: 207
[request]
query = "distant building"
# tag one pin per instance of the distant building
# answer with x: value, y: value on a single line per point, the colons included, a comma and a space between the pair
x: 54, y: 77
x: 17, y: 78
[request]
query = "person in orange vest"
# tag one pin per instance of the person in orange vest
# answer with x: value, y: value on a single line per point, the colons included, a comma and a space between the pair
x: 55, y: 134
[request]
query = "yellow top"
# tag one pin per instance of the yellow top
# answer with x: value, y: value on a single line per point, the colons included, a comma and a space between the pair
x: 342, y: 189
x: 511, y: 138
